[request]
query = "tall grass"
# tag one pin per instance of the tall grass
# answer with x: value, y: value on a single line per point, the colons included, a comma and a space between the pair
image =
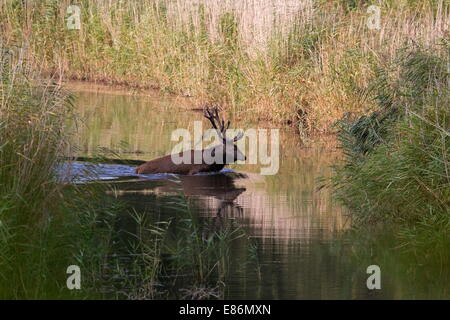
x: 151, y: 257
x: 45, y: 225
x: 396, y: 166
x: 182, y: 257
x: 298, y: 63
x: 201, y: 251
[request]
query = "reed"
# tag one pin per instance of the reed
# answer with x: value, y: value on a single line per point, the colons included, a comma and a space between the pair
x: 45, y: 225
x: 396, y: 166
x: 180, y: 257
x: 296, y: 63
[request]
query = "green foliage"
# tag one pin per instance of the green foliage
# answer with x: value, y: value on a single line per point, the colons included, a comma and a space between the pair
x: 176, y: 257
x: 45, y: 225
x: 196, y: 252
x: 396, y: 166
x: 413, y: 82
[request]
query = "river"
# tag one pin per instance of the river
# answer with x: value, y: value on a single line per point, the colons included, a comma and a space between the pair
x: 291, y: 223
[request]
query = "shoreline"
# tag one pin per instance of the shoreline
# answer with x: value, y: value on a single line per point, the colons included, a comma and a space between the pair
x: 183, y: 102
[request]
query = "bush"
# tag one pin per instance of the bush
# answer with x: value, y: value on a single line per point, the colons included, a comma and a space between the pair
x: 45, y: 225
x: 396, y: 164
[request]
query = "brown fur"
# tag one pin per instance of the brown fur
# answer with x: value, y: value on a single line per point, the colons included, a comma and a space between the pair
x: 166, y: 165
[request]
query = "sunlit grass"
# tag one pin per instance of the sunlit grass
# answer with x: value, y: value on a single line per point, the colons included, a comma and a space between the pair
x: 396, y: 166
x: 298, y: 63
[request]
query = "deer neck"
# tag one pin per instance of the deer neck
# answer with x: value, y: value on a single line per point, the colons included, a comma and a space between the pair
x: 217, y: 148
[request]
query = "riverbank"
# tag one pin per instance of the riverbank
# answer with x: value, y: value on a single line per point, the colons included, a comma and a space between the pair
x: 45, y: 226
x: 302, y: 64
x: 396, y: 166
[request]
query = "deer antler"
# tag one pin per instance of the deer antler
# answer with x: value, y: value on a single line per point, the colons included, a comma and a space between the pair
x: 238, y: 136
x: 212, y: 114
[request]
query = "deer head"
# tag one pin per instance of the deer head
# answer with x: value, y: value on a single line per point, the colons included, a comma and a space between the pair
x: 227, y: 151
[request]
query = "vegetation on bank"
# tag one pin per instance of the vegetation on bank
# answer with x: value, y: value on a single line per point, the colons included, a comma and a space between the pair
x: 396, y: 169
x: 297, y: 63
x: 48, y: 224
x: 45, y: 225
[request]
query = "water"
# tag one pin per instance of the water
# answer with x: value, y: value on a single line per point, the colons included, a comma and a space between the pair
x: 293, y: 225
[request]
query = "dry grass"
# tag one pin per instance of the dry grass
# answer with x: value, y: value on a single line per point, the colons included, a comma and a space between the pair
x: 304, y: 63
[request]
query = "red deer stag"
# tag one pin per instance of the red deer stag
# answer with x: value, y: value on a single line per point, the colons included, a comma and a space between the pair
x: 221, y: 155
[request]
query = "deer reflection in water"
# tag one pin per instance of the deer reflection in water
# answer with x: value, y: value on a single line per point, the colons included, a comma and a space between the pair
x: 214, y: 194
